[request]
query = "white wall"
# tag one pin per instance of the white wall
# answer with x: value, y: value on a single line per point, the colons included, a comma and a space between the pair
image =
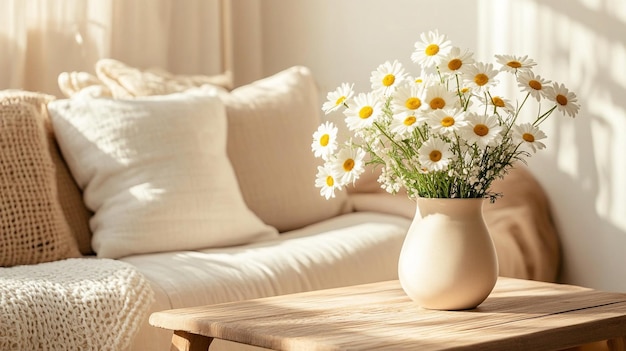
x: 581, y: 43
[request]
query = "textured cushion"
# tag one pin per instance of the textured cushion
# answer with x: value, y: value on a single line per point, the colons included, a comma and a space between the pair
x: 125, y: 81
x: 155, y: 172
x: 70, y: 197
x: 270, y: 126
x: 32, y: 226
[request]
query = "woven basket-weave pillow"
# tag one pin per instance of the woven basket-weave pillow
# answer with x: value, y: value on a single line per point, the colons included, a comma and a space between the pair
x: 70, y: 196
x: 32, y: 226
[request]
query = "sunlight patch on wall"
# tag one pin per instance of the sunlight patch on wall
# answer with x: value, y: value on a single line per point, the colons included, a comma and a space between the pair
x: 609, y: 145
x: 579, y: 45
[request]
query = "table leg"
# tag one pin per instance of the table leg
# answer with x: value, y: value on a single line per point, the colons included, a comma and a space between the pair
x: 617, y: 344
x: 184, y: 341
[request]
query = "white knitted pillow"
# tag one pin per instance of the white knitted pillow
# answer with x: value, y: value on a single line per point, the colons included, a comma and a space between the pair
x: 155, y: 172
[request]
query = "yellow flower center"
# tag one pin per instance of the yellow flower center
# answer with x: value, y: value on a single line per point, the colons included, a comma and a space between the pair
x: 330, y: 181
x: 419, y: 80
x: 514, y: 64
x: 437, y: 103
x: 348, y: 165
x: 366, y: 112
x: 481, y: 130
x: 497, y: 101
x: 409, y: 120
x: 455, y: 64
x: 561, y: 99
x: 481, y: 79
x: 388, y: 80
x: 534, y: 84
x: 413, y: 103
x: 340, y: 101
x: 431, y: 50
x: 435, y: 155
x: 324, y: 140
x: 528, y: 137
x: 447, y: 121
x: 464, y: 90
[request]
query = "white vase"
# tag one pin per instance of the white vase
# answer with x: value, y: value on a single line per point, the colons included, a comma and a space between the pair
x: 448, y: 260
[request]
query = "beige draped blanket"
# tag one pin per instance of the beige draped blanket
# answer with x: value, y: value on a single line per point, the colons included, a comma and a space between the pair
x: 73, y: 304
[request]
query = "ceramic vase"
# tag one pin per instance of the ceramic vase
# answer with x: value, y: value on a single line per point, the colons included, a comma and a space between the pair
x: 448, y: 260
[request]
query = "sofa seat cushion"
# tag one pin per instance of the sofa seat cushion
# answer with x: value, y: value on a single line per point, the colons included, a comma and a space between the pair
x: 354, y: 248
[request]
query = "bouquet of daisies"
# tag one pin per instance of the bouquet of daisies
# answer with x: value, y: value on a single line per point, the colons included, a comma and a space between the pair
x: 441, y: 133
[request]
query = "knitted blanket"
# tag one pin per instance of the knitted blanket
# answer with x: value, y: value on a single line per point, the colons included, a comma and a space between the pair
x: 74, y: 304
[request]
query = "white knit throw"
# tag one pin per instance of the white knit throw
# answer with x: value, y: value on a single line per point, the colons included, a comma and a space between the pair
x: 73, y: 304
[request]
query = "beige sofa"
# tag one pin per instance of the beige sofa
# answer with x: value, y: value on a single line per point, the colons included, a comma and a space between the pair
x: 209, y: 195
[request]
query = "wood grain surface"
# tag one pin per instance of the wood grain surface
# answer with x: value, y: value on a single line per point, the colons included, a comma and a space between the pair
x: 518, y: 315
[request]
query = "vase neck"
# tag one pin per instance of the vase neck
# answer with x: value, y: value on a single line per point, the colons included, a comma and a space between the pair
x: 452, y: 207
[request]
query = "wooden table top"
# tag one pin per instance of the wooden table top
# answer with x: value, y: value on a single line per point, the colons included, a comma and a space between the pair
x: 518, y: 315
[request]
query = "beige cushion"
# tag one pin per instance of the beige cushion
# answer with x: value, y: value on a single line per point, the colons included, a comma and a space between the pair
x: 155, y: 172
x: 270, y: 128
x: 70, y: 196
x: 125, y: 81
x: 32, y: 226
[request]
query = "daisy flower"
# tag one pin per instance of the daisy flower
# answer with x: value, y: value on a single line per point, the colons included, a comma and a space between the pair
x: 455, y: 61
x: 533, y: 84
x: 363, y: 111
x: 338, y: 98
x: 430, y: 50
x: 480, y: 76
x: 528, y: 135
x: 349, y: 164
x: 327, y: 182
x: 387, y: 77
x: 497, y: 101
x: 446, y: 121
x: 513, y: 64
x: 408, y: 98
x: 566, y: 101
x: 424, y: 78
x: 438, y: 97
x: 482, y: 130
x: 403, y: 124
x: 325, y: 140
x: 434, y: 155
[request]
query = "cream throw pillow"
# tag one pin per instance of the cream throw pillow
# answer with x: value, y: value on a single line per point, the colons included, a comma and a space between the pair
x: 155, y: 172
x: 270, y: 130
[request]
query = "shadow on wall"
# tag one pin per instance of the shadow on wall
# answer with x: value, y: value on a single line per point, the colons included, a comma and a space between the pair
x: 583, y: 168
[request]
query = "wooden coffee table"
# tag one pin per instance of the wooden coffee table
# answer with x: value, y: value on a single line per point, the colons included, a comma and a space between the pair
x: 518, y: 315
